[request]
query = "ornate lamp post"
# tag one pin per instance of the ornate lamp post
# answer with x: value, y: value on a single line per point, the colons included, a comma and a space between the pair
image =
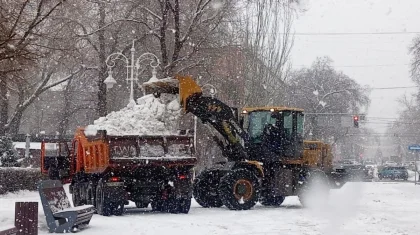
x: 132, y: 66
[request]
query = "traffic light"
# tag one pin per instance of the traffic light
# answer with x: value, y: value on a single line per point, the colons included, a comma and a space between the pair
x: 356, y: 121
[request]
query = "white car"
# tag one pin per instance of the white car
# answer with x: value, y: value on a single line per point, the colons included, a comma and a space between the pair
x: 390, y: 163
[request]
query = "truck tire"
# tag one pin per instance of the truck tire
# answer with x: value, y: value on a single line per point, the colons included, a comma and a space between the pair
x: 238, y: 189
x: 205, y: 189
x: 272, y: 201
x: 118, y: 209
x: 91, y: 192
x: 158, y: 205
x: 77, y: 201
x: 180, y: 205
x: 102, y: 205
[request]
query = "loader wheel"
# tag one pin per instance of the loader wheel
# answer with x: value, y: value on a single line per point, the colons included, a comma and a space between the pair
x: 238, y: 189
x: 206, y: 189
x: 102, y: 206
x: 272, y: 201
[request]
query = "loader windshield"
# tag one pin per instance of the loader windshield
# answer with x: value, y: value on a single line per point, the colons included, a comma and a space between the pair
x: 257, y: 122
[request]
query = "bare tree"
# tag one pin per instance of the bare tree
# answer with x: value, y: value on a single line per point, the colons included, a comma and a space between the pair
x: 28, y: 34
x: 322, y: 89
x: 268, y: 41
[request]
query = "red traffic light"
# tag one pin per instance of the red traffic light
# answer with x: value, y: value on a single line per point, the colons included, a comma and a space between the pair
x: 356, y: 118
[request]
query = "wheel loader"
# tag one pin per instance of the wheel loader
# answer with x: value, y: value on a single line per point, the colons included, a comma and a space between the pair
x: 267, y: 157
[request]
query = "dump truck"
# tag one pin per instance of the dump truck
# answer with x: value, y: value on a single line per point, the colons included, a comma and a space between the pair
x: 109, y: 171
x: 266, y: 156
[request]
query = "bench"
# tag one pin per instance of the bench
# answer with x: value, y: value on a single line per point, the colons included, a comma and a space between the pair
x: 60, y: 215
x: 26, y: 219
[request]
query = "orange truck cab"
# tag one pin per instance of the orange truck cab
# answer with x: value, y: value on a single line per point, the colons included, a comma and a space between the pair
x: 109, y: 171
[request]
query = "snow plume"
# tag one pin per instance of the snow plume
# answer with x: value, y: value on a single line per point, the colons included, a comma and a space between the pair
x: 149, y: 116
x: 337, y: 210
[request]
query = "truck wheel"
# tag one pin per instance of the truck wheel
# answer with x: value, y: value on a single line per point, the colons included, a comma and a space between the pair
x: 181, y: 205
x: 272, y: 201
x: 91, y: 195
x: 77, y: 201
x: 158, y: 205
x: 392, y: 177
x: 238, y: 189
x: 118, y: 209
x: 205, y: 189
x: 102, y: 206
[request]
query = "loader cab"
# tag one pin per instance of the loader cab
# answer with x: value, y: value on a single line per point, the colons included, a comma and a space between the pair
x: 275, y: 133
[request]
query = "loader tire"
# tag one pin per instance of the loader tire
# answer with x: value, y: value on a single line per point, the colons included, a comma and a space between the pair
x: 238, y: 189
x: 272, y: 201
x: 206, y: 189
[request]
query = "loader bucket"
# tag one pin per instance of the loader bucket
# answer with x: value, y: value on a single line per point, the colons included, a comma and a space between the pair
x: 166, y: 85
x: 185, y: 86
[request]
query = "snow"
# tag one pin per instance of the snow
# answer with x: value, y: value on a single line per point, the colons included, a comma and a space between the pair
x: 149, y: 116
x: 413, y: 175
x: 373, y: 208
x: 22, y: 145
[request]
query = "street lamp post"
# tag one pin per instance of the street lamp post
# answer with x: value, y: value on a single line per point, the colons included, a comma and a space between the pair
x: 132, y: 68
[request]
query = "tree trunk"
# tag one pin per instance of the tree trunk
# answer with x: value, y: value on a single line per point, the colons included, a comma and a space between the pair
x: 4, y: 106
x: 102, y: 109
x: 14, y: 124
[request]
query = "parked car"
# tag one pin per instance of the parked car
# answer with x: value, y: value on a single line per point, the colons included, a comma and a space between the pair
x: 355, y: 171
x: 393, y: 173
x: 369, y: 164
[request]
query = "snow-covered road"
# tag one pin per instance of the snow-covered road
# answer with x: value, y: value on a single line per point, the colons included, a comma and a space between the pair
x: 358, y: 208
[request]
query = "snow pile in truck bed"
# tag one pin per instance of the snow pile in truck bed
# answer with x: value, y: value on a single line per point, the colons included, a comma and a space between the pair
x: 150, y: 116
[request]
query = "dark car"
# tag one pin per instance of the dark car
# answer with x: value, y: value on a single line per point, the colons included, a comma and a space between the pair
x: 355, y: 172
x: 393, y: 173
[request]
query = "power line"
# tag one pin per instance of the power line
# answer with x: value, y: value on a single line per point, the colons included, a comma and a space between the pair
x: 354, y: 33
x: 360, y: 66
x: 392, y: 88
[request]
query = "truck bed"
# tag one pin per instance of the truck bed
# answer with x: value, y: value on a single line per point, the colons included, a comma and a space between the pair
x: 109, y: 153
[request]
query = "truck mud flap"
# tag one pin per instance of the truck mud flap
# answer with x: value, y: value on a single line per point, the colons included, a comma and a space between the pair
x: 115, y: 192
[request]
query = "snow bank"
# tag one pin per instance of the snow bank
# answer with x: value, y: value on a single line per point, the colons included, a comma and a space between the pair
x: 150, y: 116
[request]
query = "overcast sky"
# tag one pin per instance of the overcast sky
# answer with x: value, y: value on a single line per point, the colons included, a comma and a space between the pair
x: 377, y: 60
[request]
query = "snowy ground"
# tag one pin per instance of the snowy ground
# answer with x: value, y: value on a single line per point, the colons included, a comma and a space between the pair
x: 358, y: 208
